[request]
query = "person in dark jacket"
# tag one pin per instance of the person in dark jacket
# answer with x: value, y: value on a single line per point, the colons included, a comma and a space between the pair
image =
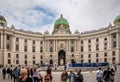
x: 79, y: 76
x: 8, y: 72
x: 49, y: 70
x: 4, y: 73
x: 24, y: 76
x: 106, y: 75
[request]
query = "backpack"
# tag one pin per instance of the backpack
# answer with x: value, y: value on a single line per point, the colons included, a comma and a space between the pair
x: 64, y: 77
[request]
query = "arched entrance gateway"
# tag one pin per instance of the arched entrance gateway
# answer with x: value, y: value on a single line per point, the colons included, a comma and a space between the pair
x: 61, y: 57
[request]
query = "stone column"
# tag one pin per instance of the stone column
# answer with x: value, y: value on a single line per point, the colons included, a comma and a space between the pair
x: 45, y: 45
x: 110, y: 41
x: 117, y: 39
x: 75, y: 45
x: 54, y: 45
x: 69, y: 45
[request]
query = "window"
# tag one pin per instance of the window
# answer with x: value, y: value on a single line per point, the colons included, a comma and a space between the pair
x: 114, y: 35
x: 25, y: 56
x: 72, y: 49
x: 41, y: 42
x: 25, y: 41
x: 9, y: 61
x: 25, y: 62
x: 17, y: 61
x: 81, y: 41
x: 50, y: 42
x: 97, y: 47
x: 33, y: 41
x: 72, y: 55
x: 113, y: 59
x: 82, y: 48
x: 33, y: 49
x: 51, y: 49
x: 114, y: 44
x: 25, y: 48
x: 105, y: 59
x: 51, y: 55
x: 9, y: 55
x: 89, y: 41
x: 41, y: 62
x: 72, y: 41
x: 105, y: 46
x: 105, y: 38
x: 17, y: 55
x: 97, y: 55
x: 8, y: 46
x: 97, y: 40
x: 33, y: 56
x: 33, y: 61
x: 97, y: 60
x: 81, y: 56
x: 89, y: 55
x: 105, y: 54
x: 89, y: 48
x: 89, y: 60
x: 17, y: 39
x: 82, y: 61
x: 8, y: 37
x: 17, y: 47
x: 113, y: 53
x: 41, y: 57
x: 41, y: 49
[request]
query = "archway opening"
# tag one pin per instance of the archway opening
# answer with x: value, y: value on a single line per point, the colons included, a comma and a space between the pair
x: 61, y: 57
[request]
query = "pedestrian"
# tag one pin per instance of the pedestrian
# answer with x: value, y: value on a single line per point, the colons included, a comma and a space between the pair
x: 48, y: 78
x: 64, y: 76
x: 16, y: 74
x: 48, y: 70
x: 79, y: 76
x: 65, y: 67
x: 4, y: 73
x: 11, y: 73
x: 71, y: 76
x: 31, y: 72
x: 106, y: 75
x: 8, y: 72
x: 99, y: 75
x: 40, y: 77
x: 112, y: 76
x: 24, y: 76
x: 35, y: 75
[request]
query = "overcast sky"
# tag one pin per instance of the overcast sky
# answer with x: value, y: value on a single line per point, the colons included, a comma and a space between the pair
x: 40, y: 15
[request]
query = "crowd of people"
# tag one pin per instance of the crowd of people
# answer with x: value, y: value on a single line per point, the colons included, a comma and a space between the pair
x: 107, y: 75
x: 26, y: 74
x: 34, y: 74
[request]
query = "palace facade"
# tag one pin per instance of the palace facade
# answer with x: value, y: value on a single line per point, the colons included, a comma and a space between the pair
x: 19, y: 47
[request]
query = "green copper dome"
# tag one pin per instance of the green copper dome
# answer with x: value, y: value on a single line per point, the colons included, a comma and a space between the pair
x: 3, y: 21
x: 117, y: 20
x: 60, y: 21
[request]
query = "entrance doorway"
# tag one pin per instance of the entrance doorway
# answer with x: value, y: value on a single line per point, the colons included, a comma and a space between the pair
x: 61, y: 57
x: 51, y: 61
x: 72, y: 61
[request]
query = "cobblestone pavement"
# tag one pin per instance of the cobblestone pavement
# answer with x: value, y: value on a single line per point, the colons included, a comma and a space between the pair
x: 88, y: 76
